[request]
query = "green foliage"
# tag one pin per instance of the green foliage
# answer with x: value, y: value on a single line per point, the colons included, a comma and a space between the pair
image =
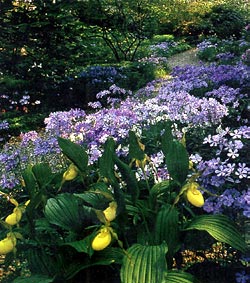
x: 138, y: 74
x: 216, y: 46
x: 179, y: 277
x: 144, y: 264
x: 147, y: 231
x: 176, y: 155
x: 20, y: 122
x: 224, y: 21
x: 195, y: 18
x: 74, y: 153
x: 220, y: 228
x: 122, y: 27
x: 34, y: 279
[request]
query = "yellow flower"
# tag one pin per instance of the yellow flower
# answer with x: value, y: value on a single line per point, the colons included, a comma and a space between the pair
x: 194, y: 196
x: 14, y: 217
x: 190, y: 165
x: 110, y: 212
x: 8, y: 244
x: 71, y: 173
x: 102, y: 239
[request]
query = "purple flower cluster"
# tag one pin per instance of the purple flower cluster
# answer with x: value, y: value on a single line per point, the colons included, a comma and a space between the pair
x: 226, y: 56
x: 102, y: 74
x: 162, y: 48
x: 154, y: 59
x: 246, y: 57
x: 227, y: 95
x: 8, y: 103
x: 242, y: 277
x: 227, y: 169
x: 205, y: 44
x: 231, y: 200
x: 214, y: 74
x: 61, y: 123
x: 4, y: 125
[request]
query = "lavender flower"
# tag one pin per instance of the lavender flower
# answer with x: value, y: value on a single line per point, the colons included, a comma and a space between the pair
x: 4, y: 125
x: 242, y: 277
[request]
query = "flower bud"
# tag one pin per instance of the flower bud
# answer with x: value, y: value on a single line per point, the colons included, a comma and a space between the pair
x: 194, y: 196
x: 71, y: 173
x: 101, y: 240
x: 110, y: 212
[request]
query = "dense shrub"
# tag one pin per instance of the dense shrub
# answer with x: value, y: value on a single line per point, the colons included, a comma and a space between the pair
x: 213, y: 49
x: 224, y: 21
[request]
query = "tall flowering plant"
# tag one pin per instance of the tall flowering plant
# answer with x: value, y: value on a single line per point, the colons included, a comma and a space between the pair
x: 107, y: 214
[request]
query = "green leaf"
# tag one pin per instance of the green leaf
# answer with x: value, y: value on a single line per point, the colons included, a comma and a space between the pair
x: 173, y: 276
x: 167, y: 139
x: 219, y: 227
x: 106, y: 162
x: 159, y: 189
x: 65, y: 211
x: 177, y: 161
x: 129, y: 177
x: 135, y: 150
x: 105, y: 257
x: 30, y: 181
x: 83, y: 246
x: 96, y: 200
x: 43, y: 174
x: 41, y: 261
x: 36, y: 278
x: 167, y: 229
x: 144, y: 264
x: 75, y: 153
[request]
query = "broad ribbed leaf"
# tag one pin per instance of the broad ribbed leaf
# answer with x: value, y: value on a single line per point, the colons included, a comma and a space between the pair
x: 167, y: 229
x: 173, y: 276
x: 30, y: 181
x: 135, y: 150
x: 106, y: 257
x: 37, y: 278
x: 177, y: 161
x: 83, y: 246
x: 106, y: 162
x: 65, y: 211
x: 144, y: 264
x: 159, y: 189
x: 221, y: 228
x: 43, y: 174
x: 129, y: 177
x: 98, y: 201
x: 75, y: 153
x: 40, y: 261
x: 167, y: 139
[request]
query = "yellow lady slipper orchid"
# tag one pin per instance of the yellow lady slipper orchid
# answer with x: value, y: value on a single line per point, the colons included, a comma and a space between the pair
x: 8, y: 244
x: 110, y: 212
x: 102, y: 239
x: 194, y: 196
x: 71, y: 173
x: 14, y: 217
x: 13, y: 201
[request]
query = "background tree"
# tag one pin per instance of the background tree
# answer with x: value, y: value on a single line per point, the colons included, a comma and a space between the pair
x: 123, y: 25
